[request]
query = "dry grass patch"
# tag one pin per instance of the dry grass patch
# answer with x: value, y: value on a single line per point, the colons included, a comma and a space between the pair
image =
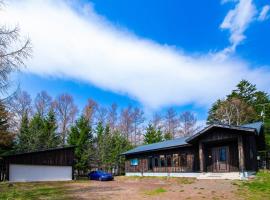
x: 154, y: 192
x: 186, y: 180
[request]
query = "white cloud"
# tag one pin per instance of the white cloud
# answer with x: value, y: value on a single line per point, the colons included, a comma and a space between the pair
x: 87, y: 47
x: 237, y: 21
x: 264, y: 13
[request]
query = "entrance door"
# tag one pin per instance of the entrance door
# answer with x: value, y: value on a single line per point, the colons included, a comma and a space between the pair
x: 220, y: 159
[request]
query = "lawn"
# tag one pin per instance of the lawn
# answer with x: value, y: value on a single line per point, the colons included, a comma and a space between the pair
x: 257, y: 189
x: 33, y: 191
x: 136, y: 188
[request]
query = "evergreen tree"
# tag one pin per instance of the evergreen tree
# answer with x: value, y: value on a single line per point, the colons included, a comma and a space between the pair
x: 106, y: 148
x: 6, y: 137
x: 24, y: 137
x: 152, y: 135
x: 38, y: 138
x: 49, y: 131
x: 82, y: 138
x: 119, y: 144
x: 168, y: 136
x: 100, y: 145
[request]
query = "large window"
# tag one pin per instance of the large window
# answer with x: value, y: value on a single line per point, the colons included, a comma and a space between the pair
x: 156, y: 161
x: 134, y: 162
x: 162, y: 160
x: 183, y: 160
x: 222, y: 154
x: 175, y: 160
x: 150, y: 163
x: 169, y: 160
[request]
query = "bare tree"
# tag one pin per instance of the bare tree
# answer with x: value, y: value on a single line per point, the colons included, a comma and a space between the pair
x: 138, y: 119
x: 171, y: 122
x: 66, y: 112
x: 126, y: 126
x: 157, y: 121
x: 188, y: 124
x: 90, y: 110
x: 112, y: 117
x: 43, y: 103
x: 101, y: 115
x: 19, y: 104
x: 13, y: 53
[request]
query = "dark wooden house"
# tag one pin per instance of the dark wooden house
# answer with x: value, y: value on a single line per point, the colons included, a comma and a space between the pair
x: 45, y: 165
x: 217, y: 148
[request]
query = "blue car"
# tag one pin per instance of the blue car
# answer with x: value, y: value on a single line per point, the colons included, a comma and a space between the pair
x: 100, y: 175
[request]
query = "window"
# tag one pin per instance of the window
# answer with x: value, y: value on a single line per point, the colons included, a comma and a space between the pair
x: 169, y: 160
x: 162, y: 160
x: 150, y: 163
x: 134, y: 162
x: 183, y: 160
x: 156, y: 162
x: 222, y: 154
x: 175, y: 160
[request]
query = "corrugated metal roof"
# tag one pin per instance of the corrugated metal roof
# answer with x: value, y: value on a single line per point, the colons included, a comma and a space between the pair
x: 158, y: 146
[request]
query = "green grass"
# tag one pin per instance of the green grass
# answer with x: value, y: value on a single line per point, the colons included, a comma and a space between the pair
x: 33, y: 191
x: 257, y: 189
x: 185, y: 180
x: 154, y: 192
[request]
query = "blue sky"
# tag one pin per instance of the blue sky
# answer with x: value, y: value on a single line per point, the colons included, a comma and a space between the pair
x: 154, y: 54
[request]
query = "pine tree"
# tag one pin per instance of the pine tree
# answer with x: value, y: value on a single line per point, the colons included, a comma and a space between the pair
x: 6, y: 137
x: 100, y: 145
x: 36, y: 128
x: 82, y: 138
x: 152, y: 135
x: 168, y: 136
x: 106, y: 148
x: 49, y: 131
x: 24, y: 137
x: 119, y: 144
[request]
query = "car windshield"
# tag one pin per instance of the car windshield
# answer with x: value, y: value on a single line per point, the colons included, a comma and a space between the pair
x: 101, y: 172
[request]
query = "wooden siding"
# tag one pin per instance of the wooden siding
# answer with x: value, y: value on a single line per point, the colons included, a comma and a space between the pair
x: 250, y: 152
x: 175, y: 160
x: 57, y: 157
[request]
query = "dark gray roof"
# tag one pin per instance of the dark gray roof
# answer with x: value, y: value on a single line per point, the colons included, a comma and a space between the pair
x: 159, y: 146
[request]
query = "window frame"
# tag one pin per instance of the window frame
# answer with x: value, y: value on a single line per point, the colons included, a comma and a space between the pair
x: 175, y: 160
x: 134, y: 164
x: 162, y: 161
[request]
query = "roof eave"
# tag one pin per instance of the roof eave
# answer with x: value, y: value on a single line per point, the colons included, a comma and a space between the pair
x: 159, y: 149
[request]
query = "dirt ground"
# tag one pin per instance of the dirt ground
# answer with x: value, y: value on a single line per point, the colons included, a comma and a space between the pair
x: 131, y: 188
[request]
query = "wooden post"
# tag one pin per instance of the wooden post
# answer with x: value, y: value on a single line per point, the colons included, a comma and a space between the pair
x: 201, y: 157
x: 241, y: 154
